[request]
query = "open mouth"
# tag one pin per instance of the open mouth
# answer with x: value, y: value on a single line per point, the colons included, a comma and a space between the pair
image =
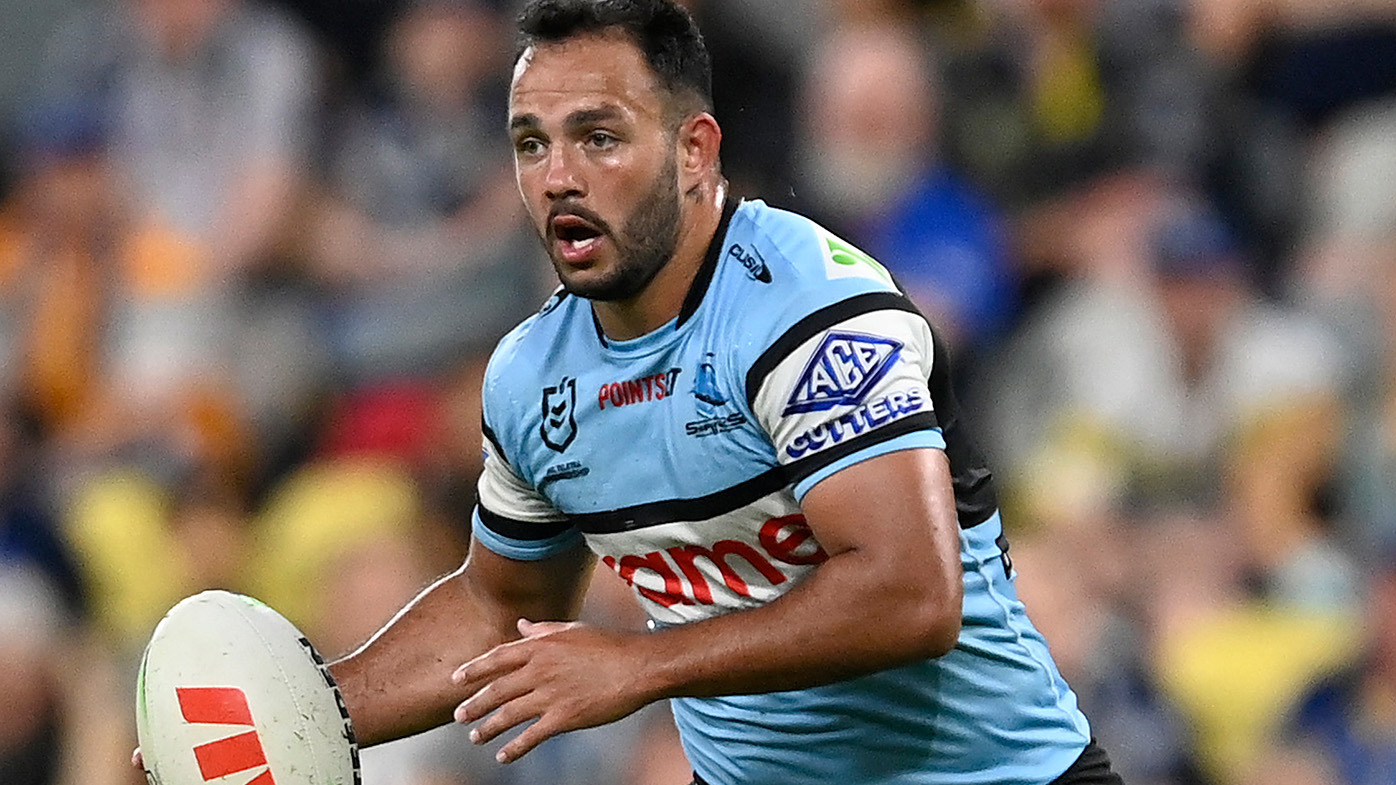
x: 576, y: 235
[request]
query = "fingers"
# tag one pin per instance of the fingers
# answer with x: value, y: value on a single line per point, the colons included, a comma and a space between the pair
x: 509, y: 715
x: 531, y: 737
x: 505, y: 694
x: 137, y: 760
x: 491, y: 665
x: 491, y: 697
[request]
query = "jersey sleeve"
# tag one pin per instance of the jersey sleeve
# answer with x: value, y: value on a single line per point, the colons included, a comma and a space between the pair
x: 847, y: 383
x: 511, y: 517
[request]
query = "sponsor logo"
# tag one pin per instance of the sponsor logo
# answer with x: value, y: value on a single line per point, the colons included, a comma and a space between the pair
x: 842, y: 371
x: 563, y: 471
x: 843, y: 260
x: 559, y: 426
x: 877, y: 412
x: 655, y: 387
x: 237, y: 753
x: 753, y: 262
x: 711, y: 405
x: 673, y: 576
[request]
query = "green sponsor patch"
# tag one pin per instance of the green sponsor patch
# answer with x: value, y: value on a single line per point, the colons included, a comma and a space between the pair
x: 845, y: 254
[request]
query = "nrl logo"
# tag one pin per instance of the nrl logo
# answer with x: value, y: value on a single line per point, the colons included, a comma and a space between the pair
x: 842, y: 371
x: 559, y: 426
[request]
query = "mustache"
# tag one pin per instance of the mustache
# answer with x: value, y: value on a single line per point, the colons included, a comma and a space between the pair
x: 560, y: 209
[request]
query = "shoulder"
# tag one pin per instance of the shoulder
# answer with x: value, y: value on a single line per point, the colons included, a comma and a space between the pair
x: 519, y: 360
x: 809, y: 271
x: 807, y: 257
x: 819, y: 284
x: 806, y: 268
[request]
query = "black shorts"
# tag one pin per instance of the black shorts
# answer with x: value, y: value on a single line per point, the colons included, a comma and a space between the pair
x: 1092, y: 768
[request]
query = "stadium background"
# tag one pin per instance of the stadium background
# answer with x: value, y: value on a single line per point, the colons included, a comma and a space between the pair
x: 252, y: 257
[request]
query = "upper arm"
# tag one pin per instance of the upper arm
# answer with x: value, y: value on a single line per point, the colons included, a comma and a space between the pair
x: 512, y: 517
x: 526, y: 559
x: 845, y: 398
x: 898, y: 510
x: 845, y: 384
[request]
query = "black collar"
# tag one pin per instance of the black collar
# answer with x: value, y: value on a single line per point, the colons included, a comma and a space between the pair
x: 704, y: 278
x: 701, y: 281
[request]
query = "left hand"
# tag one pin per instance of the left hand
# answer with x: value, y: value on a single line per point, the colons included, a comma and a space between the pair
x: 568, y: 676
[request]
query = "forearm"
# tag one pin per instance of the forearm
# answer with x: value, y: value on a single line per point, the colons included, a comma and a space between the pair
x: 398, y: 683
x: 845, y: 620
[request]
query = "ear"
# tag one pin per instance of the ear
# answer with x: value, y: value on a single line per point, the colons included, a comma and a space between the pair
x: 699, y: 142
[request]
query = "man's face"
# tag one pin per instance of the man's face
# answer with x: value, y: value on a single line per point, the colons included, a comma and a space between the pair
x: 595, y: 158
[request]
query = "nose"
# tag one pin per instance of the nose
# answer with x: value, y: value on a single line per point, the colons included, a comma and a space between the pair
x: 561, y: 180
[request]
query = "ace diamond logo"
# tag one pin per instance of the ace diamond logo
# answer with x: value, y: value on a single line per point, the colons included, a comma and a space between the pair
x: 559, y: 426
x: 842, y: 371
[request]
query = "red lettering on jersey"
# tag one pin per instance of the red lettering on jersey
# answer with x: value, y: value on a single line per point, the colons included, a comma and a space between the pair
x: 787, y: 539
x: 783, y: 548
x: 655, y: 387
x: 654, y: 562
x: 685, y: 555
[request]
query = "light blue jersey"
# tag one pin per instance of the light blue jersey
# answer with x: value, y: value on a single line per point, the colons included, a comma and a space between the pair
x: 680, y: 457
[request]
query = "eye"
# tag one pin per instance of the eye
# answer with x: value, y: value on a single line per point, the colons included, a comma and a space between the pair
x: 529, y: 146
x: 601, y: 140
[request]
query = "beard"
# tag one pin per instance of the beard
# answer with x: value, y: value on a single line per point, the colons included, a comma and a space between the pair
x: 643, y: 245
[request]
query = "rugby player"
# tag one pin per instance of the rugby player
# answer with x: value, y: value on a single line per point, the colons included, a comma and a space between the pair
x: 741, y: 416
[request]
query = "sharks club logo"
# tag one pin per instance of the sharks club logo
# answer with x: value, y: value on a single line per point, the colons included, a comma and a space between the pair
x: 714, y: 415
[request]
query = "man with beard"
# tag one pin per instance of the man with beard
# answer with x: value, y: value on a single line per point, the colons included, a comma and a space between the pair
x: 748, y: 423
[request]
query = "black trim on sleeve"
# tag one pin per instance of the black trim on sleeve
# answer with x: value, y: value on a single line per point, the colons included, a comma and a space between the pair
x: 804, y: 467
x: 815, y: 323
x: 704, y: 278
x: 520, y: 530
x: 701, y: 508
x: 493, y: 440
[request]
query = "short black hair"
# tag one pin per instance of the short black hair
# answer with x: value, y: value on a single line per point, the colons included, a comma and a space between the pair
x: 663, y: 31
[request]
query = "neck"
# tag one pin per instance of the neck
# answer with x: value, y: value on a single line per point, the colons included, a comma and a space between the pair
x: 662, y: 299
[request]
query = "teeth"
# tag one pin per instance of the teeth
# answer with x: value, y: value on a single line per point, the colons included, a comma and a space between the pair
x: 582, y: 245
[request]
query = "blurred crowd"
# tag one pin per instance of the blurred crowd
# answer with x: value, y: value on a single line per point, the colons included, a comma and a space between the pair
x: 253, y: 257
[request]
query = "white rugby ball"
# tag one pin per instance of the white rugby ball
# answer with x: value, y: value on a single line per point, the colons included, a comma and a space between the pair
x: 230, y: 692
